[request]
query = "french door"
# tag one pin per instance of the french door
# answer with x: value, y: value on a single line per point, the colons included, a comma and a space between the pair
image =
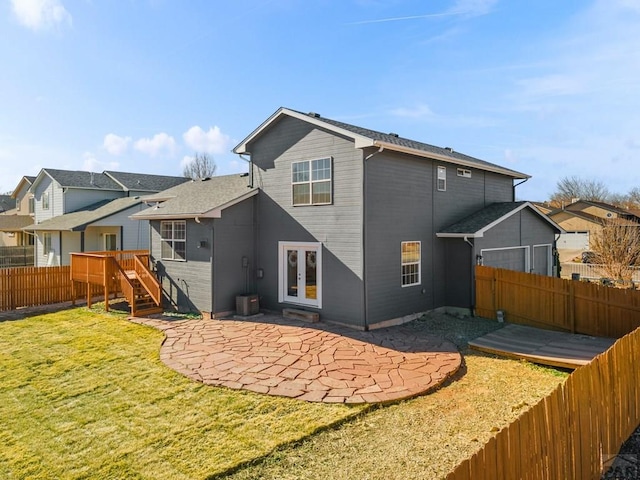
x: 300, y: 273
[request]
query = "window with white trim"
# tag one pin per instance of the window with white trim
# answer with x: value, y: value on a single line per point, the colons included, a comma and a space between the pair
x: 17, y: 204
x: 32, y: 205
x: 442, y: 179
x: 410, y: 259
x: 45, y: 200
x: 311, y: 182
x: 463, y: 172
x: 173, y: 240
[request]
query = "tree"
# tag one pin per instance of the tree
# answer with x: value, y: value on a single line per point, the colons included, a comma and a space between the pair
x: 568, y: 189
x: 617, y: 249
x: 201, y: 166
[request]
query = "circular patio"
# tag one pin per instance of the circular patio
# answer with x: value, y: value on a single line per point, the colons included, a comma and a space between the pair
x: 316, y: 363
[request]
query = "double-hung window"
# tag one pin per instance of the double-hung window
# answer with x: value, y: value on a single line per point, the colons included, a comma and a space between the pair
x: 46, y: 243
x: 442, y: 179
x: 45, y: 200
x: 411, y: 253
x: 311, y: 182
x: 173, y: 240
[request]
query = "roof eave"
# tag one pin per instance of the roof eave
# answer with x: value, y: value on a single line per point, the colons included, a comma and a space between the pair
x: 457, y: 161
x: 361, y: 141
x: 459, y: 235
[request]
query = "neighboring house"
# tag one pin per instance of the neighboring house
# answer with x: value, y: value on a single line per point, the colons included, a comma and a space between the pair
x: 18, y: 216
x: 360, y: 226
x: 75, y: 211
x: 203, y: 242
x: 583, y: 219
x: 6, y: 203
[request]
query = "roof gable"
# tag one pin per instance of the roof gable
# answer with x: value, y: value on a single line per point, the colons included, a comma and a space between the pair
x: 24, y: 181
x: 476, y: 224
x: 364, y: 137
x: 77, y: 179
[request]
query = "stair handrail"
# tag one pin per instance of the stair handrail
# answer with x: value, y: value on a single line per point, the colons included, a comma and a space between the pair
x: 125, y: 283
x: 148, y: 280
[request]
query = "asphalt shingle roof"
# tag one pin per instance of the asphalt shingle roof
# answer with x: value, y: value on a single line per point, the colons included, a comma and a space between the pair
x: 482, y: 218
x: 144, y: 182
x: 12, y: 223
x: 197, y: 197
x: 79, y: 219
x: 6, y: 203
x: 79, y: 179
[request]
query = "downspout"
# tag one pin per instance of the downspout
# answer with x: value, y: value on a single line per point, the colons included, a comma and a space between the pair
x: 365, y: 296
x: 514, y: 189
x: 473, y: 277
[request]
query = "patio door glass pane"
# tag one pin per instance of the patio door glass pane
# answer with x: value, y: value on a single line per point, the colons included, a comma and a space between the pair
x: 311, y: 278
x: 292, y: 273
x: 110, y: 241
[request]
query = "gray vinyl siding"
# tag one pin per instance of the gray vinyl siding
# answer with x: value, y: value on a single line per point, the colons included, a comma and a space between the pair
x: 460, y: 261
x: 77, y: 198
x: 186, y: 285
x: 337, y: 226
x: 41, y: 260
x: 399, y: 207
x: 233, y: 239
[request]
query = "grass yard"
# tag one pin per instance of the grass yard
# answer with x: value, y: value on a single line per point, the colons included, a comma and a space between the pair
x: 425, y: 437
x: 84, y: 395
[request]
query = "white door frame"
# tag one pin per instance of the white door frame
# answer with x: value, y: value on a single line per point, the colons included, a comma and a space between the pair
x: 549, y: 256
x: 283, y: 260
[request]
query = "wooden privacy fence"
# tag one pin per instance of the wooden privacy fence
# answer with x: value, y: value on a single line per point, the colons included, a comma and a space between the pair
x: 33, y: 286
x: 574, y: 431
x: 556, y: 303
x: 16, y: 256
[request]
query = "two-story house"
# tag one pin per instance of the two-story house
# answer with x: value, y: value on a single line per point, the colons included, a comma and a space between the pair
x: 19, y: 215
x: 77, y: 211
x: 363, y: 227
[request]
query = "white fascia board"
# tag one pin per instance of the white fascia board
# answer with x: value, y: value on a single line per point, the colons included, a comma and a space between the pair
x: 455, y: 161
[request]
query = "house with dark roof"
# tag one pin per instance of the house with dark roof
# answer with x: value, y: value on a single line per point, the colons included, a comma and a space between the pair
x: 364, y: 228
x: 78, y: 211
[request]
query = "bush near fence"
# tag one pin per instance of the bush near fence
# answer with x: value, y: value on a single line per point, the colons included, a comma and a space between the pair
x: 556, y: 303
x: 572, y: 433
x: 34, y: 286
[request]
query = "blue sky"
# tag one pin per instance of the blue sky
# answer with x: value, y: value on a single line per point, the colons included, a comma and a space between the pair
x: 547, y: 87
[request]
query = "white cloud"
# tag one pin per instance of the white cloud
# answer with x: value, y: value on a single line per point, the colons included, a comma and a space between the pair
x: 186, y: 160
x: 212, y: 141
x: 92, y: 164
x: 156, y: 145
x: 41, y: 14
x: 417, y: 111
x: 115, y: 144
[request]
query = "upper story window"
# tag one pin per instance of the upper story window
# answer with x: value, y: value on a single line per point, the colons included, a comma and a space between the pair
x: 18, y: 204
x: 442, y: 179
x: 173, y: 239
x: 32, y: 205
x: 311, y: 182
x: 411, y: 253
x: 45, y: 200
x: 463, y: 172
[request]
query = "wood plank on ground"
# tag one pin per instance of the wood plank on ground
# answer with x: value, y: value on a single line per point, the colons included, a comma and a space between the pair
x: 548, y: 347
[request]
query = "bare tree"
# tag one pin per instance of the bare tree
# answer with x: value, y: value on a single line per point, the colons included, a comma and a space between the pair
x: 569, y: 189
x: 200, y: 167
x: 617, y: 249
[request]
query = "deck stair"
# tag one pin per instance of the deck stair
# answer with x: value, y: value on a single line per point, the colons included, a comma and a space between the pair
x: 124, y: 271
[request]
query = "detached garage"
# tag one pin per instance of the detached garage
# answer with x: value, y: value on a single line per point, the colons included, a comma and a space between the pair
x: 510, y: 235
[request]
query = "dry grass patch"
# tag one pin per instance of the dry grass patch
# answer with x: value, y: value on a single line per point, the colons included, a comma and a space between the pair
x: 425, y: 437
x: 84, y: 395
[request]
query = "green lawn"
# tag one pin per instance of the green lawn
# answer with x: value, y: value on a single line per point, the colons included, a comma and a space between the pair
x: 84, y: 395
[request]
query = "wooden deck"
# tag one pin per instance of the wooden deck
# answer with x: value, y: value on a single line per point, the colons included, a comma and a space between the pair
x: 547, y: 347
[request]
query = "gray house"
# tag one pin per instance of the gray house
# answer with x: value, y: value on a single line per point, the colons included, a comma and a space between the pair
x: 365, y: 228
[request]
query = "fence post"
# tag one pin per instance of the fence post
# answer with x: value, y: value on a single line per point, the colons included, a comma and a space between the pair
x: 12, y: 297
x: 572, y: 307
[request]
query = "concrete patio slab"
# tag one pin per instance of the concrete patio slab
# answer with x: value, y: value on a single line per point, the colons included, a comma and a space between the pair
x: 315, y: 363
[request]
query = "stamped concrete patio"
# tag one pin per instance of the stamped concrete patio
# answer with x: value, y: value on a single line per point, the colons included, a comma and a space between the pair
x: 313, y: 362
